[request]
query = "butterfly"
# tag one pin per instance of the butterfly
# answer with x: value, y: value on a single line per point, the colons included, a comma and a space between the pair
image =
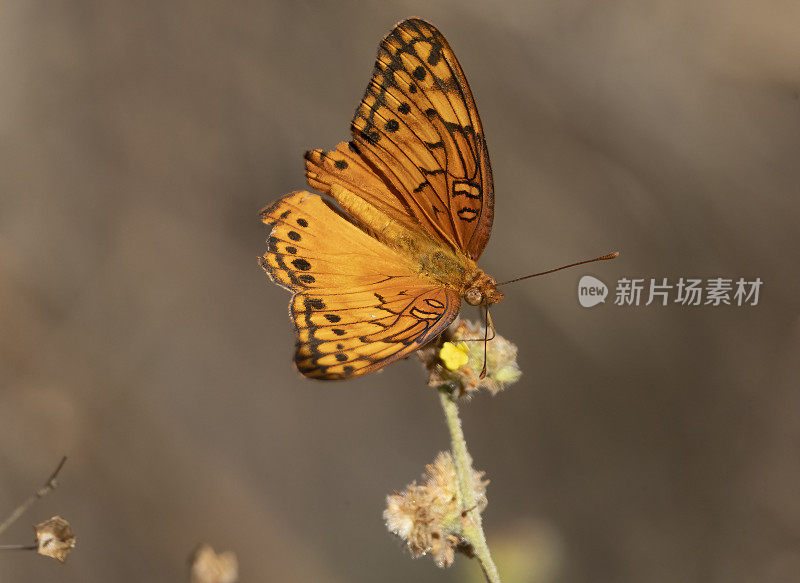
x: 379, y: 267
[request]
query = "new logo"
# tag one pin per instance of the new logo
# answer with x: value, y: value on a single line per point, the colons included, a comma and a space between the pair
x: 591, y: 291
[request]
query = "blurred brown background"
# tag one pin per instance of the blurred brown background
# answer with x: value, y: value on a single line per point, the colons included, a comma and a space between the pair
x: 139, y: 337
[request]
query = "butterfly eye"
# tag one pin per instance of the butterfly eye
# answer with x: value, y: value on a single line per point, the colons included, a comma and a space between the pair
x: 473, y: 296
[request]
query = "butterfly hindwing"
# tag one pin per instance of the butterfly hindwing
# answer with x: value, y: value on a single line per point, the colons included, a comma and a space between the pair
x: 357, y: 304
x: 345, y: 335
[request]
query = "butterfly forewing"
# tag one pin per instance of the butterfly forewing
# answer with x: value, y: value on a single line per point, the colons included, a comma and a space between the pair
x: 418, y: 133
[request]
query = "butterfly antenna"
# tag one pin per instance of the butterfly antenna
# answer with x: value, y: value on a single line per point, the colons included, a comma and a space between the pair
x: 603, y: 258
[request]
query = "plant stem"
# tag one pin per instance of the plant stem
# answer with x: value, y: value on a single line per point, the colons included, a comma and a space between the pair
x: 40, y: 493
x: 473, y: 528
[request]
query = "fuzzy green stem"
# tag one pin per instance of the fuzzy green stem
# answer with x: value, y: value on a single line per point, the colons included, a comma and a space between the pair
x: 473, y: 528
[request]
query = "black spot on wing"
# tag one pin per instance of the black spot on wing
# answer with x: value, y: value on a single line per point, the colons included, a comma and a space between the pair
x: 467, y: 214
x: 371, y: 136
x: 301, y: 264
x: 436, y: 54
x: 468, y: 189
x: 315, y: 304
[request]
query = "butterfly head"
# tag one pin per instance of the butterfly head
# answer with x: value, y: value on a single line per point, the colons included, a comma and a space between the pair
x: 482, y: 291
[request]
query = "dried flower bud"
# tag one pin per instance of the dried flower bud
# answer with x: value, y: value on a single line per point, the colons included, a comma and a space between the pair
x: 455, y: 363
x: 428, y: 517
x: 55, y: 538
x: 206, y: 566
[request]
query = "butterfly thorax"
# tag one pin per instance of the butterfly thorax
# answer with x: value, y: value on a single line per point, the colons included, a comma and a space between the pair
x: 431, y: 258
x: 457, y: 271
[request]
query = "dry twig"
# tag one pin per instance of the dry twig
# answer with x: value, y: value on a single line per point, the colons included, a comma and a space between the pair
x: 41, y: 492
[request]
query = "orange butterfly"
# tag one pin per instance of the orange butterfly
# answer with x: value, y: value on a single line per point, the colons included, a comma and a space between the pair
x: 384, y: 273
x: 386, y: 276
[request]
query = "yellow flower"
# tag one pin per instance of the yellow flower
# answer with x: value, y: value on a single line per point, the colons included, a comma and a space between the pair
x: 452, y: 363
x: 454, y: 356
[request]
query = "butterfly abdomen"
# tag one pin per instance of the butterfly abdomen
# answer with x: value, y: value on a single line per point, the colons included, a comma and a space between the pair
x: 378, y: 223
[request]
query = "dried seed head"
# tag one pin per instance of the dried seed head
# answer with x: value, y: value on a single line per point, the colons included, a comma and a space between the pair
x: 455, y: 363
x: 55, y: 538
x: 428, y: 517
x: 206, y: 566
